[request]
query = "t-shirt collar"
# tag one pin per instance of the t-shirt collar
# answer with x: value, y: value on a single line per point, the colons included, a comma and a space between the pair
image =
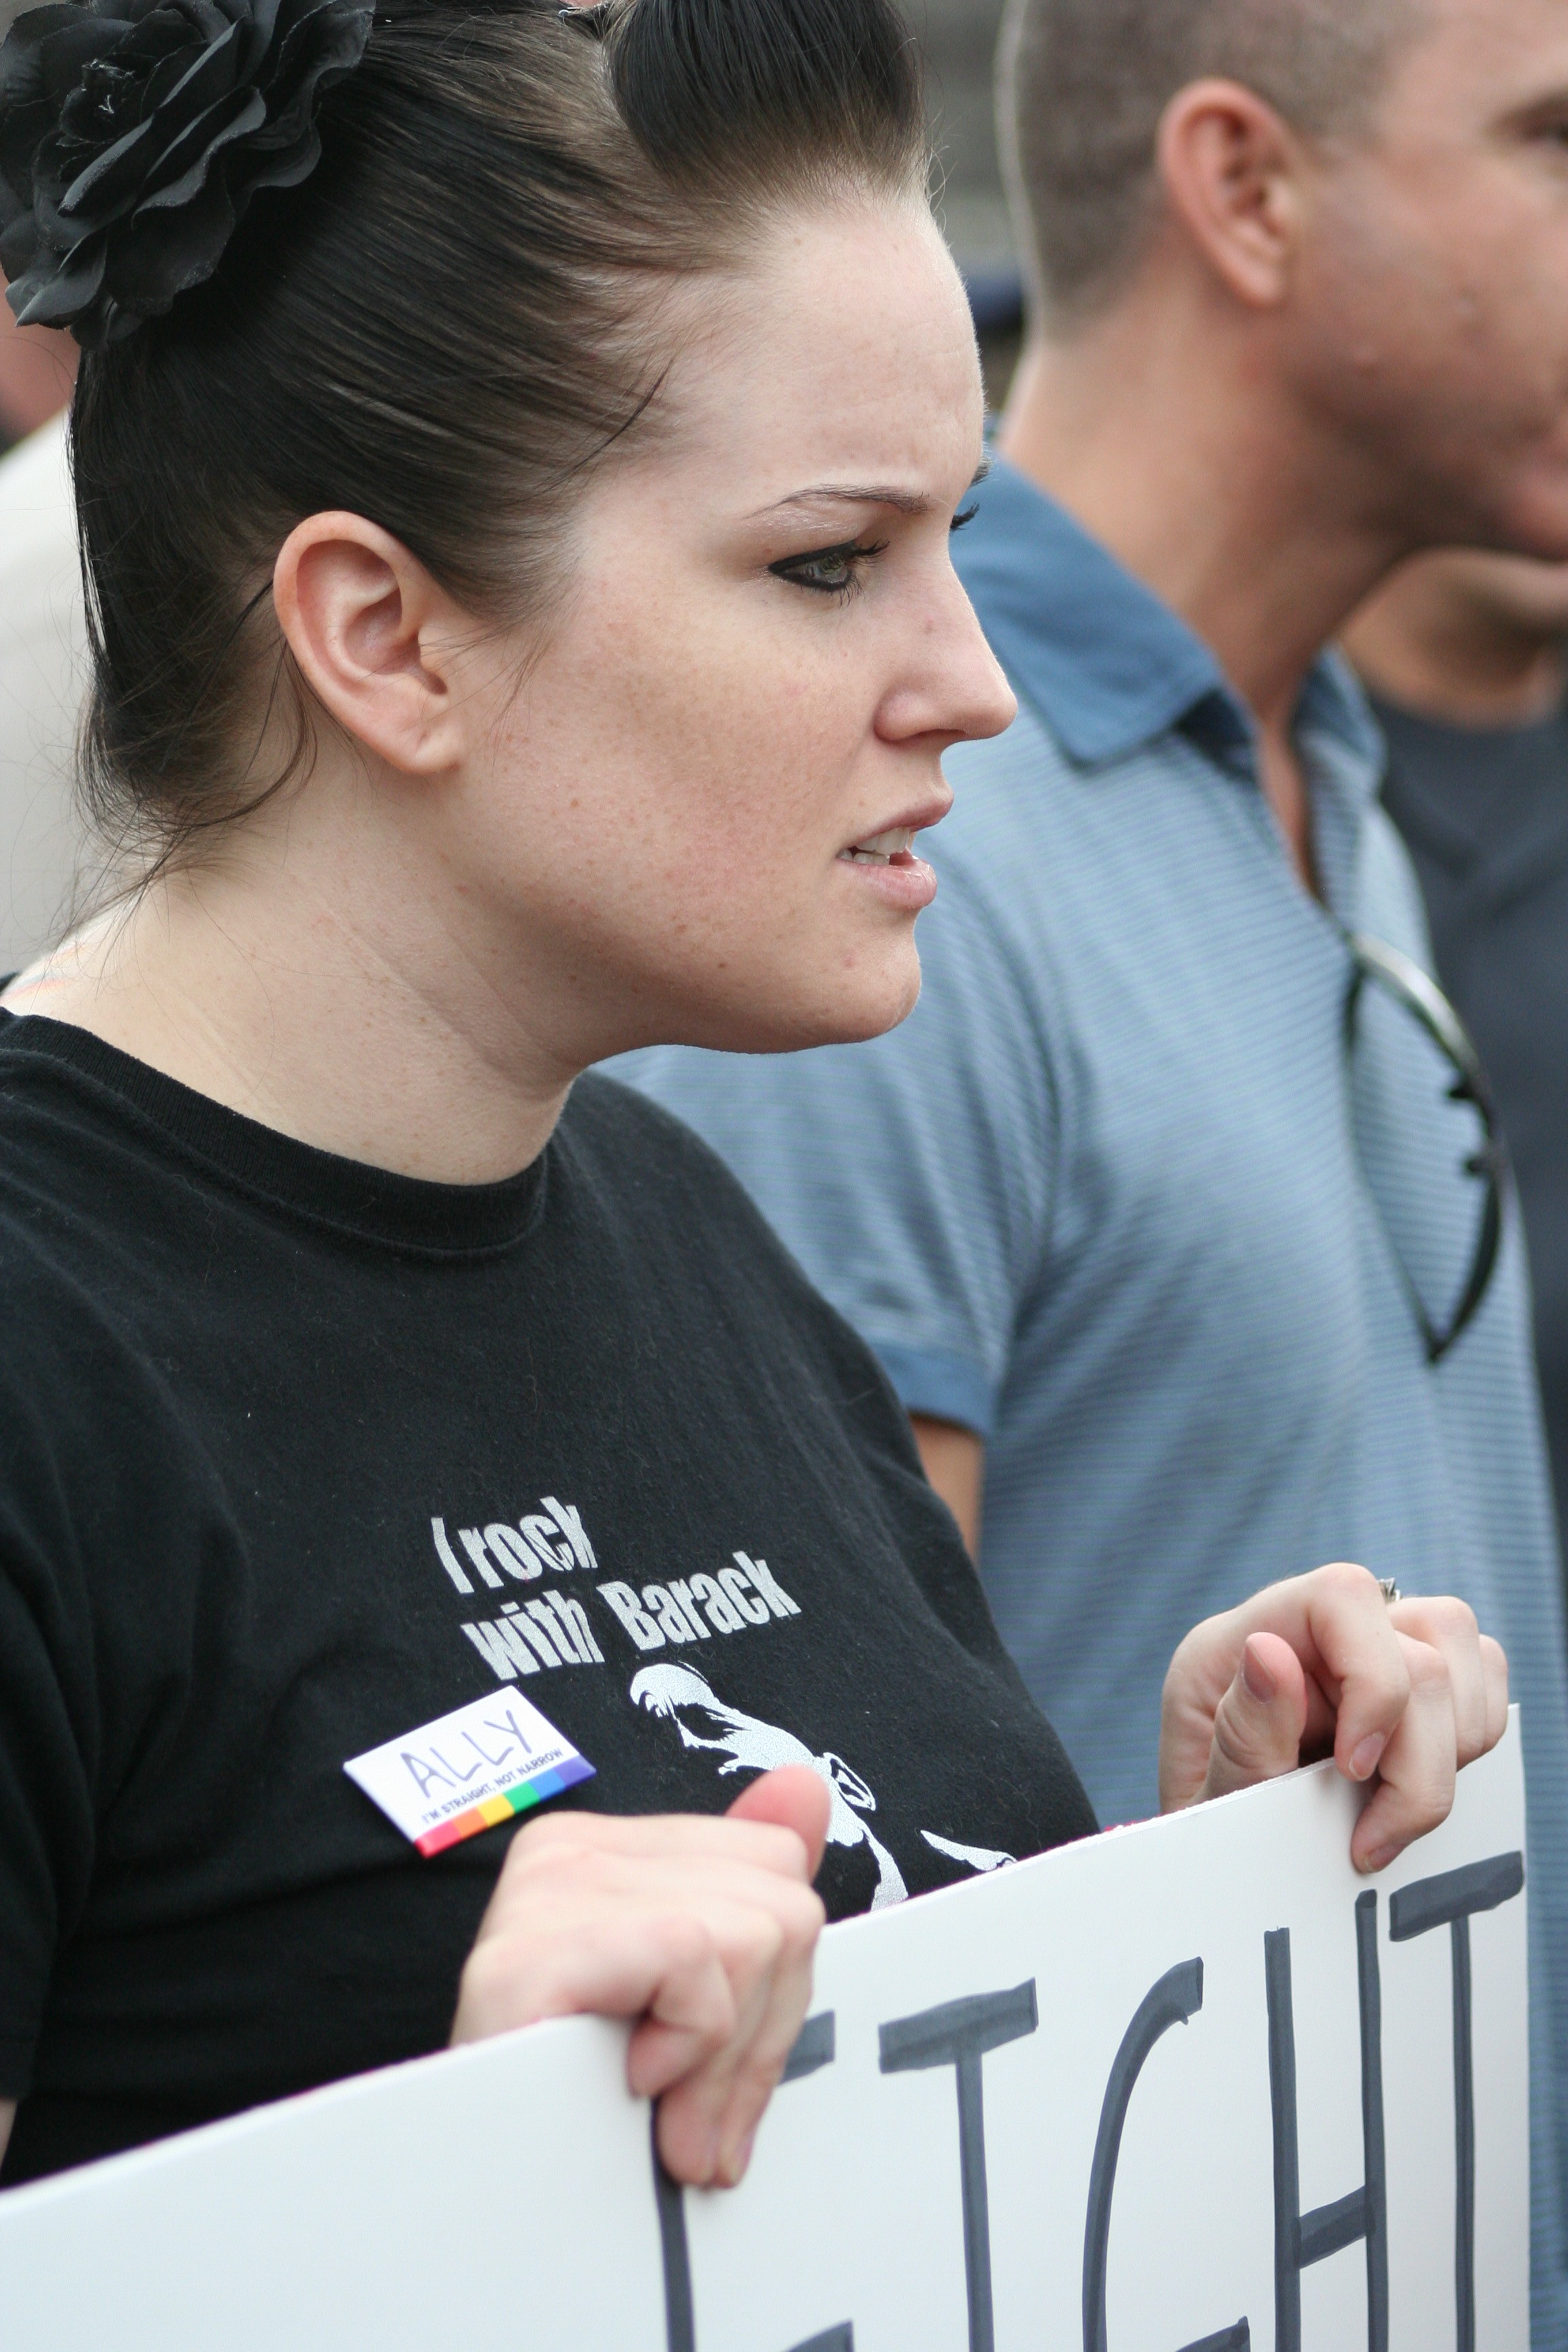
x: 377, y: 1204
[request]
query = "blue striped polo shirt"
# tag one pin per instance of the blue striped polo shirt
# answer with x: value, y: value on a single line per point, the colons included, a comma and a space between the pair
x: 1118, y: 1197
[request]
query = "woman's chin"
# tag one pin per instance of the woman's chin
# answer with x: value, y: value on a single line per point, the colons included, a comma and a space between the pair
x: 864, y: 1003
x: 836, y: 995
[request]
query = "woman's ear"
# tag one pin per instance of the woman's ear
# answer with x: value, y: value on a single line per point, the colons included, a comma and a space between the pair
x: 378, y: 641
x: 1232, y: 173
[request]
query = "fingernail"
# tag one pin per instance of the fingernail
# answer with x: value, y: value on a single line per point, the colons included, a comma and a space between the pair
x: 1260, y: 1684
x: 1365, y: 1760
x: 1378, y: 1859
x: 734, y: 2171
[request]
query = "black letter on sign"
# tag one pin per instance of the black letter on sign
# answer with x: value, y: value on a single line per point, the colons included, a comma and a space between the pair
x: 680, y: 2324
x: 958, y: 2034
x: 1178, y: 1996
x: 1450, y: 1900
x: 813, y: 2049
x: 1300, y: 2238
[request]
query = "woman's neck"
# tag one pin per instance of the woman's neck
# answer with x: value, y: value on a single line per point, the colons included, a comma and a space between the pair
x: 375, y: 1035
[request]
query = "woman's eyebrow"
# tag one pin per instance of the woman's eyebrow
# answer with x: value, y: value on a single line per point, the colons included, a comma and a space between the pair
x: 866, y: 494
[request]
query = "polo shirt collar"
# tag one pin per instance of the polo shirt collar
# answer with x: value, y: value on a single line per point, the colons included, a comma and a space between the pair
x: 1103, y: 661
x: 1108, y: 665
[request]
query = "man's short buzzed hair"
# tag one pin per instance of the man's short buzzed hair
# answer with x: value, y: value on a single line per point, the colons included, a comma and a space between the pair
x: 1083, y: 86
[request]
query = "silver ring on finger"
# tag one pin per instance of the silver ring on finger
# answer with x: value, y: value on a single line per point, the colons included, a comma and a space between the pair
x: 1389, y: 1590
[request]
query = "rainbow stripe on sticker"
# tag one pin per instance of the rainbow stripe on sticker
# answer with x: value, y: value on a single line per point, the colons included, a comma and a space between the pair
x: 485, y: 1816
x: 470, y: 1770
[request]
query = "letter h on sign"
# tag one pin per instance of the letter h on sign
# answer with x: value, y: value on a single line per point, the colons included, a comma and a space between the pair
x: 1300, y: 2238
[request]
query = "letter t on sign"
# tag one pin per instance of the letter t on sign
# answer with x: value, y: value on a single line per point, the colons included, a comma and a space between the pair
x: 958, y: 2034
x: 1451, y: 1900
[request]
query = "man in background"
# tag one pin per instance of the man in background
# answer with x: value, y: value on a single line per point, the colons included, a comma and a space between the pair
x: 1165, y: 1263
x: 1466, y: 659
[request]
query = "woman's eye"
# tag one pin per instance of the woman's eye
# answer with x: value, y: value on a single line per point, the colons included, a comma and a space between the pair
x: 959, y: 520
x: 830, y: 571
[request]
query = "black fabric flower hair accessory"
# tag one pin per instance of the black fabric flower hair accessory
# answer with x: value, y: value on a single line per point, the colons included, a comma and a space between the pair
x: 133, y: 133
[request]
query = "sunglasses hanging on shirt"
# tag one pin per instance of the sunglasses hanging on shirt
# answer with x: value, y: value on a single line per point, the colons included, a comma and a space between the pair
x: 1426, y: 1136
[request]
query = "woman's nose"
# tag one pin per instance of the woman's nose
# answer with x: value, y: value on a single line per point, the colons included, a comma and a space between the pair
x: 994, y: 704
x: 956, y: 686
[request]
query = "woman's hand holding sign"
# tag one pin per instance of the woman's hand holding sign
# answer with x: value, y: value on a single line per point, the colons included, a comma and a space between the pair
x: 1408, y: 1692
x: 701, y: 1930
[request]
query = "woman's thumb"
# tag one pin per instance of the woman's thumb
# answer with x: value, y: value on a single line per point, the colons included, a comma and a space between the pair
x: 1259, y: 1724
x: 793, y: 1798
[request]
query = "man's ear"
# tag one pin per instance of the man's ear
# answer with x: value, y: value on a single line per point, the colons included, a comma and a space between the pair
x: 377, y: 640
x: 1232, y: 171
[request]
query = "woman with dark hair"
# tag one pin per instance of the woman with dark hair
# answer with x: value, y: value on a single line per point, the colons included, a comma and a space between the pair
x: 515, y: 454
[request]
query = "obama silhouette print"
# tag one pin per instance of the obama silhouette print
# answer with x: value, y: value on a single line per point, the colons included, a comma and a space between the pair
x: 681, y: 1696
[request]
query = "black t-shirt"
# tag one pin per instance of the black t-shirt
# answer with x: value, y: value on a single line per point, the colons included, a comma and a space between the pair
x: 298, y: 1456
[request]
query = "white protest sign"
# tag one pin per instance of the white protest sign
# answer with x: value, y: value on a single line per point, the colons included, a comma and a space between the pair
x: 1190, y: 2087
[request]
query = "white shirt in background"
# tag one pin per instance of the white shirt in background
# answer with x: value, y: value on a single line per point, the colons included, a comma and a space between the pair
x: 43, y: 677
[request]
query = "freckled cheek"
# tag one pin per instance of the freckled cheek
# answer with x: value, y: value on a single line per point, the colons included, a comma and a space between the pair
x: 769, y: 758
x: 703, y: 741
x: 745, y: 800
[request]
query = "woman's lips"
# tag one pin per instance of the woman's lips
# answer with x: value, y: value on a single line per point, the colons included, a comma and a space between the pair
x: 895, y: 847
x: 886, y: 861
